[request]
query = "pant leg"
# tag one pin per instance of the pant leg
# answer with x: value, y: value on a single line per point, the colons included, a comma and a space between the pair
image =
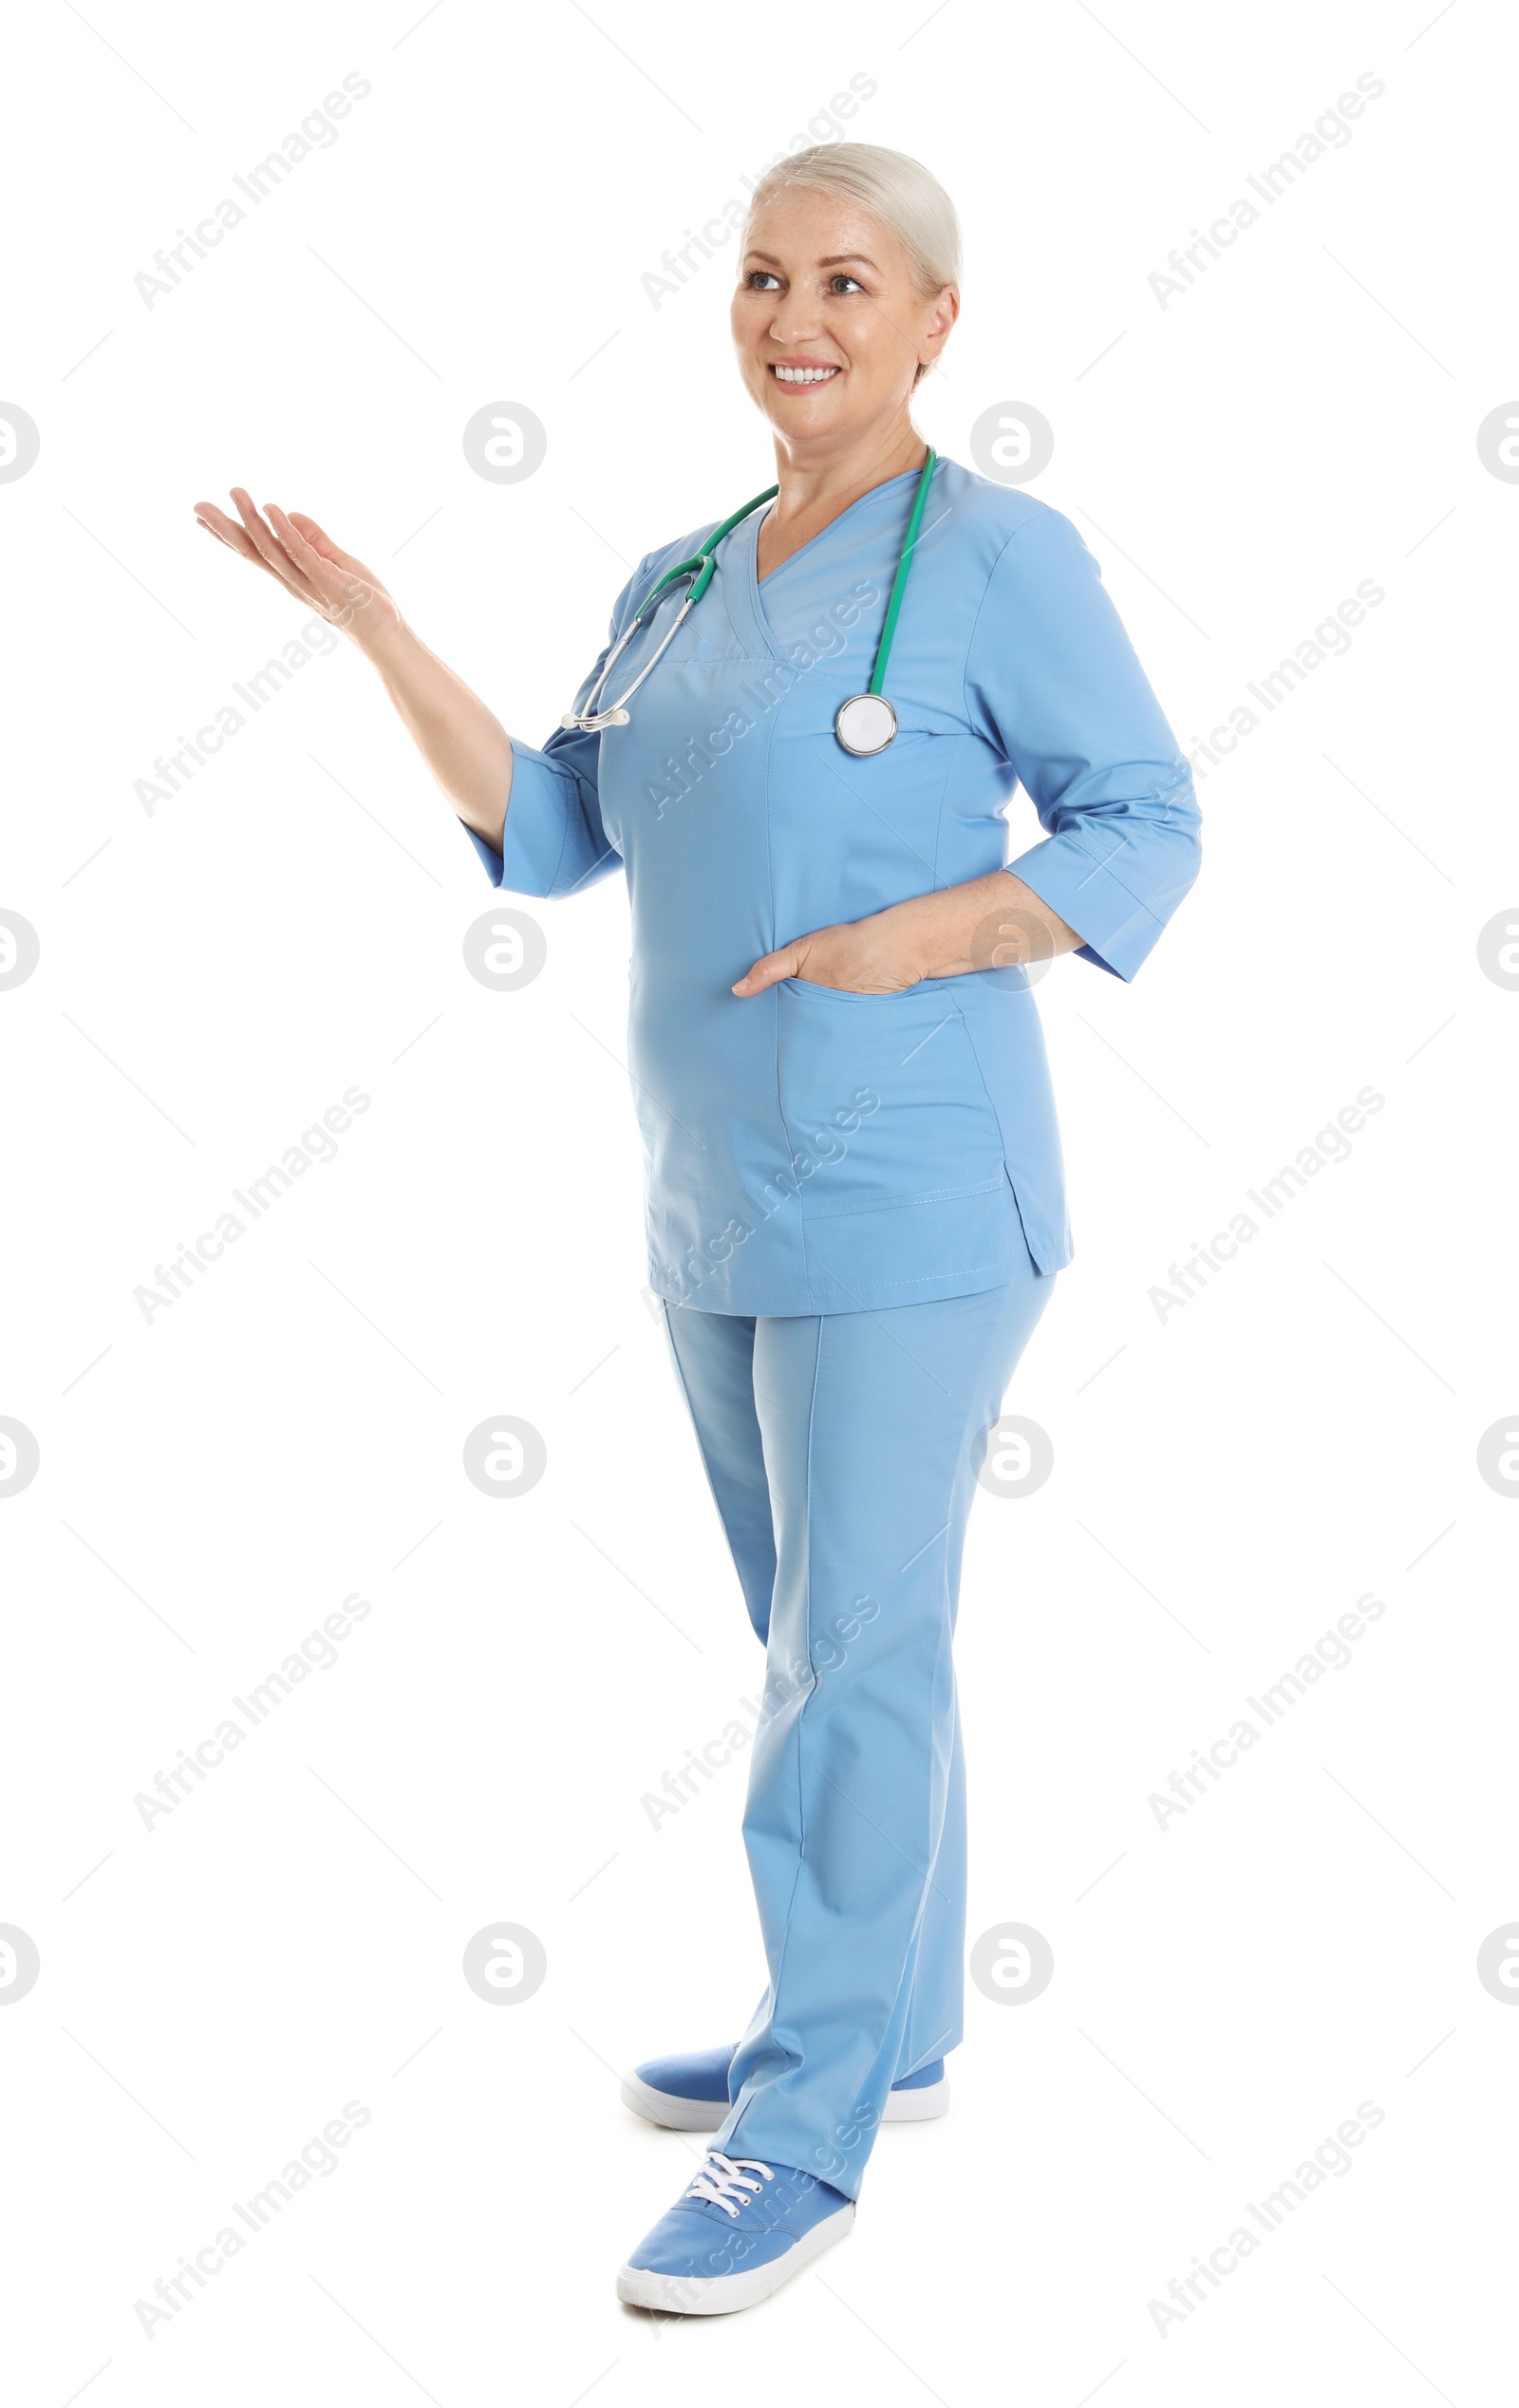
x: 934, y: 2023
x: 713, y: 1354
x: 872, y: 1427
x: 935, y: 2017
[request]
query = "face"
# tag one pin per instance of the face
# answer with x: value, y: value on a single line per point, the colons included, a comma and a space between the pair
x: 827, y: 322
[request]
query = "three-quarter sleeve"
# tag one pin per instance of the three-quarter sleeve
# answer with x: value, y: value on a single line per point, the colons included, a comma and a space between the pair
x: 1052, y: 678
x: 553, y: 842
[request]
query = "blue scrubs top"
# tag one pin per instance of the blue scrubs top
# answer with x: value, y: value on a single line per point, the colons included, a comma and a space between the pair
x: 808, y: 1150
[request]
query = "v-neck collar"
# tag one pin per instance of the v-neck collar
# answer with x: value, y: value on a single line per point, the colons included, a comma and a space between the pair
x: 743, y: 584
x: 869, y: 495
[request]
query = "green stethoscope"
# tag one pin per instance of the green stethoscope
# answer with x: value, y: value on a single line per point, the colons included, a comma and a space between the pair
x: 864, y: 724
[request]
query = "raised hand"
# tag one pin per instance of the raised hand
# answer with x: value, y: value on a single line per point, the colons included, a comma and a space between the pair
x: 300, y: 556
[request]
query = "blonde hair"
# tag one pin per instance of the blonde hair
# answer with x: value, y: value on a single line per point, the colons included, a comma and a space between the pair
x: 892, y: 187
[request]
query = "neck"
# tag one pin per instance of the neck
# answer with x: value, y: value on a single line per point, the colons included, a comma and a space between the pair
x: 815, y: 486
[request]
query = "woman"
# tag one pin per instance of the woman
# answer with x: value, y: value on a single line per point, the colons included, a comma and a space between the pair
x: 855, y: 1201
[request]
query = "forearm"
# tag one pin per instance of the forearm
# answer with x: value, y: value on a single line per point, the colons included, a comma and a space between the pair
x: 463, y: 744
x: 984, y: 924
x: 990, y: 923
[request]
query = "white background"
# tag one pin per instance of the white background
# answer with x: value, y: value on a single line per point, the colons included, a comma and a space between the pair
x: 1229, y: 1480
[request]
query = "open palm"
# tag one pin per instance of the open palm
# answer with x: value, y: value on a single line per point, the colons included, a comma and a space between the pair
x: 292, y: 549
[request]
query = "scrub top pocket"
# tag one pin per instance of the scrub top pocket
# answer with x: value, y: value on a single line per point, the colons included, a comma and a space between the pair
x: 895, y: 1146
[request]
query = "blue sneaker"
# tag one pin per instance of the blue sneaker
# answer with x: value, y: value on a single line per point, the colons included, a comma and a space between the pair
x: 739, y: 2231
x: 690, y: 2093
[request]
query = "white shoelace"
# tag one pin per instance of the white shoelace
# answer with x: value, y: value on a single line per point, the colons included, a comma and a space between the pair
x: 722, y: 2180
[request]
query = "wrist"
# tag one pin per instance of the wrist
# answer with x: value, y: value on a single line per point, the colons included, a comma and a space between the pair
x: 915, y: 939
x: 385, y: 641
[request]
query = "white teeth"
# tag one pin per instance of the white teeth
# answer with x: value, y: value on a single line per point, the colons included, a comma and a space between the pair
x: 805, y: 375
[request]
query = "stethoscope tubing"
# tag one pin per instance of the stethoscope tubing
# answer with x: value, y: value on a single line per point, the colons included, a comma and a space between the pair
x: 899, y: 584
x: 699, y: 569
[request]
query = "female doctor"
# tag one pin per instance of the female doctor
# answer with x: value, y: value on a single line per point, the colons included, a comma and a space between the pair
x: 798, y: 745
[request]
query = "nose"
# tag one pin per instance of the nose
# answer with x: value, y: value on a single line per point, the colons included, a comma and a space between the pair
x: 793, y: 324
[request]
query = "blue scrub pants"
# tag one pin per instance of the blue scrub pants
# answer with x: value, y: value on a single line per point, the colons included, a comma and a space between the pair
x: 842, y: 1450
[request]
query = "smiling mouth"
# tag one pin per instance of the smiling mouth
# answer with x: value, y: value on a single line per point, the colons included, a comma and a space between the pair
x: 797, y: 379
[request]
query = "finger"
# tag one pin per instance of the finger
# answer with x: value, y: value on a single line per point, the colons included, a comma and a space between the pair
x: 339, y: 580
x: 302, y: 553
x: 321, y: 541
x: 216, y: 523
x: 271, y: 551
x: 258, y: 533
x: 340, y: 594
x: 208, y: 529
x: 261, y: 534
x: 343, y: 594
x: 768, y: 971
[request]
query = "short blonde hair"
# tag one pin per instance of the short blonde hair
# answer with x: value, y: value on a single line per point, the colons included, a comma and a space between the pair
x: 892, y: 187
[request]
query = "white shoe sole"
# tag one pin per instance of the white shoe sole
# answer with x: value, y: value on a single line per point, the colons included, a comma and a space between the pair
x: 708, y: 2115
x: 720, y: 2294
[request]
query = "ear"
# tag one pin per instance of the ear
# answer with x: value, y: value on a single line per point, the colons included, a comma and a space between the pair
x: 942, y: 317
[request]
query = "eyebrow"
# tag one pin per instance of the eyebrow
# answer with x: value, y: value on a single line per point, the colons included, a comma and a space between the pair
x: 842, y: 260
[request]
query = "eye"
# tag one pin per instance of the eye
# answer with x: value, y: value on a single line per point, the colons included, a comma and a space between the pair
x: 760, y: 280
x: 838, y: 283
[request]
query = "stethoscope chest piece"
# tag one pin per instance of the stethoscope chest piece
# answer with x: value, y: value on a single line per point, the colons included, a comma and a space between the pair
x: 865, y: 723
